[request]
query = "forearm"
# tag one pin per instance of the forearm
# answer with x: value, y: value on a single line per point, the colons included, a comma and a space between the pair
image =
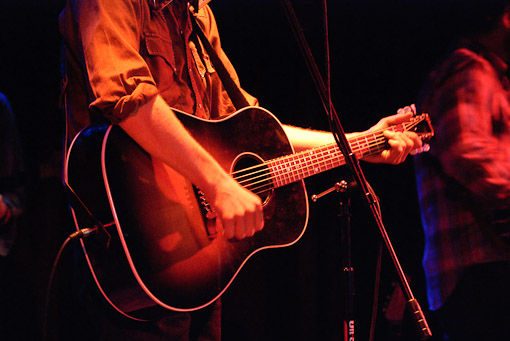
x: 157, y: 130
x: 400, y: 143
x: 303, y: 139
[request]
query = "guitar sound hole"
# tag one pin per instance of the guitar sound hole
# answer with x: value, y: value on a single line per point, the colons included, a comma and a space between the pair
x: 249, y: 170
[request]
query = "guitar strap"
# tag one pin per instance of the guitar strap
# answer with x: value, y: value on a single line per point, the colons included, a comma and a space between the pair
x: 233, y: 90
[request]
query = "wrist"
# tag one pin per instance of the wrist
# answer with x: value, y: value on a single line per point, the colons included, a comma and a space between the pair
x: 214, y: 181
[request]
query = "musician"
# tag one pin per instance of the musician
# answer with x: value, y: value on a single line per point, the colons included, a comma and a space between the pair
x: 130, y: 62
x: 11, y: 205
x: 10, y: 175
x: 464, y: 182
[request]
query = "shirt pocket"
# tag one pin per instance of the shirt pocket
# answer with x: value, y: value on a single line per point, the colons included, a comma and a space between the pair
x: 161, y: 47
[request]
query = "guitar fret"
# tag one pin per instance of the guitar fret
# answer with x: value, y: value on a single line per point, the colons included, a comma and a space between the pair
x: 368, y: 144
x: 318, y: 169
x: 320, y: 158
x: 312, y: 168
x: 286, y: 172
x: 306, y: 170
x: 331, y: 158
x: 360, y: 149
x: 334, y: 159
x: 277, y: 171
x: 295, y: 170
x: 313, y: 163
x: 291, y: 169
x: 303, y: 171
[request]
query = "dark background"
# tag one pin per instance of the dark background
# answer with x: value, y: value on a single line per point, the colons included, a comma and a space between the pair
x: 380, y: 54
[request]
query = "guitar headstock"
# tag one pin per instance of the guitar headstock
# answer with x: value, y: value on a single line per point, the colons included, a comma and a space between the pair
x: 421, y: 125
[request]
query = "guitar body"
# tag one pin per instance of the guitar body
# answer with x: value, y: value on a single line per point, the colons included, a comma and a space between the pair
x: 162, y: 248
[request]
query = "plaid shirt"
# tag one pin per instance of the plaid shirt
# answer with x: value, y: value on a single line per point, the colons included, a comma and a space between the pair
x: 11, y: 173
x: 464, y: 181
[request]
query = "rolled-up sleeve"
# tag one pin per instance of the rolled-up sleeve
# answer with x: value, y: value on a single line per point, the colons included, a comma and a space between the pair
x: 119, y: 78
x: 473, y: 132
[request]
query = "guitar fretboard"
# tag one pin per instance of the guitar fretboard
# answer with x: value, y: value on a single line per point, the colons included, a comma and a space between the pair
x: 295, y: 167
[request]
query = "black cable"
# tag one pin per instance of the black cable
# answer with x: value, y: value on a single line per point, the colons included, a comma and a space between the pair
x: 82, y: 233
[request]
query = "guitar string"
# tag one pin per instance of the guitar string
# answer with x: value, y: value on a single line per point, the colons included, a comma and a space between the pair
x: 267, y: 183
x: 322, y: 157
x: 303, y: 156
x: 303, y: 153
x: 377, y: 140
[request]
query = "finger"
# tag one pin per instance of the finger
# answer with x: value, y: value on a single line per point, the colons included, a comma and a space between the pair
x: 259, y: 219
x: 396, y: 152
x: 249, y: 224
x: 423, y: 149
x: 395, y: 119
x: 417, y: 141
x: 255, y: 219
x: 409, y: 142
x: 416, y: 151
x: 239, y: 227
x: 228, y: 228
x: 406, y: 109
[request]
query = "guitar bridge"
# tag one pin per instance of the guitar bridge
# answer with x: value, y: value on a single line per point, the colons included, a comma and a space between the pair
x: 208, y: 214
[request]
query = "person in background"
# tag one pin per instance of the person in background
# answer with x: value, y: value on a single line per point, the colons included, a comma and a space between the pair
x: 11, y: 204
x: 11, y: 174
x: 464, y: 181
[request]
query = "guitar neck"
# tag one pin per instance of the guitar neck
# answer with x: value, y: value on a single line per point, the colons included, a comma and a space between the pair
x: 291, y: 168
x: 295, y: 167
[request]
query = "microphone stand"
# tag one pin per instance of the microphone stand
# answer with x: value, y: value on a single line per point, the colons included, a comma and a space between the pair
x: 344, y: 217
x: 350, y: 159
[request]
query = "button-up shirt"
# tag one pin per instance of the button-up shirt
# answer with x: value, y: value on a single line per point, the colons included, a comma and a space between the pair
x: 465, y: 178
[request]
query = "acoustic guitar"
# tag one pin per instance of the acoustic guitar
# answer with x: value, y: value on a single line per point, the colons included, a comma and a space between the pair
x: 158, y: 242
